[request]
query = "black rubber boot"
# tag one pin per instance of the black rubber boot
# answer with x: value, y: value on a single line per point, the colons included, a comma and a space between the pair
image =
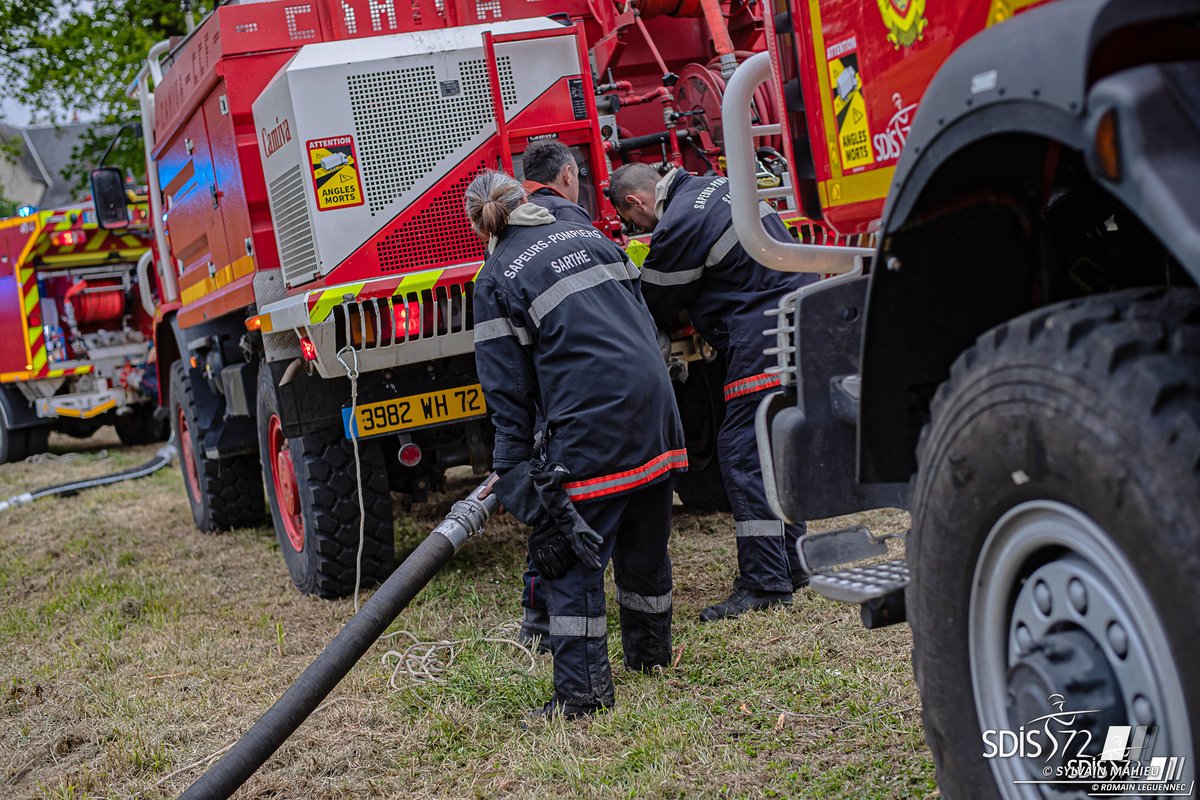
x: 743, y: 600
x: 799, y: 580
x: 555, y: 707
x: 535, y: 630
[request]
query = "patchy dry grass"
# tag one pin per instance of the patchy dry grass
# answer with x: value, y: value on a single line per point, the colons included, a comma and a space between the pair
x: 132, y: 647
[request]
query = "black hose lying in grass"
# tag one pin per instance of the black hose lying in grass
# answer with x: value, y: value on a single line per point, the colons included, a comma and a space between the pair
x: 162, y: 458
x: 281, y: 720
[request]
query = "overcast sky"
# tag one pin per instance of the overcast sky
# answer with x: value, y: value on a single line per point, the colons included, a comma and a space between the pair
x: 13, y: 112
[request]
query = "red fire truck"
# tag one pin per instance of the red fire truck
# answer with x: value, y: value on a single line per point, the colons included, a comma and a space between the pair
x: 75, y: 337
x: 306, y: 166
x: 1020, y: 353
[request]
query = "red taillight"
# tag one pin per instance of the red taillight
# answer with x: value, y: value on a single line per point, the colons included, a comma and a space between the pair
x: 408, y: 318
x: 308, y: 349
x: 68, y: 238
x: 410, y: 455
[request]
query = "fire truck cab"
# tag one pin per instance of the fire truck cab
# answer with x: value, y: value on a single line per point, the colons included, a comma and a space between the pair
x: 1017, y: 356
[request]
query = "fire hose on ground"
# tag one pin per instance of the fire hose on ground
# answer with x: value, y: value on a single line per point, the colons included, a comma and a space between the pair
x: 466, y: 519
x: 164, y: 456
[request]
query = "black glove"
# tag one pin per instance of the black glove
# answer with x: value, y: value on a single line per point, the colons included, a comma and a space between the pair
x: 533, y: 493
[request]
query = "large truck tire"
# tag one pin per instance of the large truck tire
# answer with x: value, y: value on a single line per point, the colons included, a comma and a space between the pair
x: 19, y: 444
x: 701, y: 409
x: 78, y: 428
x: 140, y: 426
x: 223, y: 493
x: 1055, y: 553
x: 14, y: 444
x: 313, y: 494
x: 37, y: 439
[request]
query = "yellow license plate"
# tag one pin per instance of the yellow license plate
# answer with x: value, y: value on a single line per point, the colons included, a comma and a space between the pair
x: 415, y: 411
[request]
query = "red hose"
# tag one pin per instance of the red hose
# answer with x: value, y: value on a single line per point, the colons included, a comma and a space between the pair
x: 93, y: 303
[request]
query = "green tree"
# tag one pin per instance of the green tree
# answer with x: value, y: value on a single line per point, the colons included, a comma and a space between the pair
x: 62, y: 58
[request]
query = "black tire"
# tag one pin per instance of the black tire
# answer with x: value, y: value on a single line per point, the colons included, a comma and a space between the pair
x: 701, y: 409
x: 1089, y: 410
x: 223, y: 493
x: 140, y: 426
x: 315, y: 509
x: 37, y: 439
x: 79, y: 428
x: 13, y: 443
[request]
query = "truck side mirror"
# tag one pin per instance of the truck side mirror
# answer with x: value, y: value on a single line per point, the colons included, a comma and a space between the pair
x: 108, y: 194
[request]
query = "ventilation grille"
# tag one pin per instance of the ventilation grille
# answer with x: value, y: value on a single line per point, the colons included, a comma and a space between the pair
x: 407, y: 121
x: 293, y: 228
x: 383, y: 322
x: 439, y: 234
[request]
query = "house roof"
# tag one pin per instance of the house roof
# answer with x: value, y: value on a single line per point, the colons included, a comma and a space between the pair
x: 45, y: 153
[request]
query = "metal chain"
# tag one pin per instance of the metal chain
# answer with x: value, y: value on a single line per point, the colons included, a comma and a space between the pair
x: 352, y: 374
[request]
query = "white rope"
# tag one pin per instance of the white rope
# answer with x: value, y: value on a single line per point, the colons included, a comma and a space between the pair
x: 429, y: 661
x: 41, y: 458
x: 352, y: 374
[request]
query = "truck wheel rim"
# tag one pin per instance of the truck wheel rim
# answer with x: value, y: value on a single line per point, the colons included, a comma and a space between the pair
x: 191, y: 470
x: 1055, y: 608
x: 287, y: 491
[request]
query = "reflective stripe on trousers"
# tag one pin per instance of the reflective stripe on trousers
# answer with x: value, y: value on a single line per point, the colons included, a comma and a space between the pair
x: 591, y: 627
x: 656, y: 604
x: 758, y: 527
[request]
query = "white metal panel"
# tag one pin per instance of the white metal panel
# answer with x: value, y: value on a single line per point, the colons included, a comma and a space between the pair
x: 415, y: 104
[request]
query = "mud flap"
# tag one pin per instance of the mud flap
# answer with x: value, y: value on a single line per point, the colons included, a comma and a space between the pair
x: 807, y: 434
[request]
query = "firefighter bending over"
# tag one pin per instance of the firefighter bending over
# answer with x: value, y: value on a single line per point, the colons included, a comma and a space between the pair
x: 696, y: 262
x: 562, y: 336
x: 552, y: 180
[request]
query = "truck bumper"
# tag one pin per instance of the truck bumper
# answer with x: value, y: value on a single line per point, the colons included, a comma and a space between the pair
x: 378, y: 324
x: 84, y: 405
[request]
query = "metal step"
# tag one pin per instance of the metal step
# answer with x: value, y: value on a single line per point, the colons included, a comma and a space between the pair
x: 861, y: 584
x: 821, y: 552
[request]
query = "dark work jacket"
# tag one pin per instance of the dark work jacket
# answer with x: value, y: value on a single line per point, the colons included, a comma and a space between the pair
x: 695, y: 262
x: 562, y: 208
x: 562, y: 335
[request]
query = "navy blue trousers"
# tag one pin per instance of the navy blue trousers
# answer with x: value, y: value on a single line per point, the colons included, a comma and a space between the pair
x: 767, y: 557
x: 635, y: 527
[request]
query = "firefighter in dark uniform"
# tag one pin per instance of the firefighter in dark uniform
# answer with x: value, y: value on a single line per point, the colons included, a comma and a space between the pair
x: 552, y: 180
x: 695, y: 262
x: 562, y: 335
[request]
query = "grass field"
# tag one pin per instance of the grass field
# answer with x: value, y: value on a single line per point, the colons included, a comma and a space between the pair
x: 132, y: 647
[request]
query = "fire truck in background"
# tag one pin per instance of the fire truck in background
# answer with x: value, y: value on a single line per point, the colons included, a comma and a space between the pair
x: 307, y: 163
x: 1021, y: 350
x: 75, y: 338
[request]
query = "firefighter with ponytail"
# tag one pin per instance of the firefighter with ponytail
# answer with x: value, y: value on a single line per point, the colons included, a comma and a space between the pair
x: 587, y: 433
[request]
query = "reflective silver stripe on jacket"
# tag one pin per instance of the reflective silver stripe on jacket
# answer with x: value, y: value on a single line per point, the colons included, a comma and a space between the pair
x: 499, y: 328
x: 592, y: 627
x: 660, y: 278
x: 548, y: 300
x: 729, y: 238
x: 652, y: 604
x: 758, y: 527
